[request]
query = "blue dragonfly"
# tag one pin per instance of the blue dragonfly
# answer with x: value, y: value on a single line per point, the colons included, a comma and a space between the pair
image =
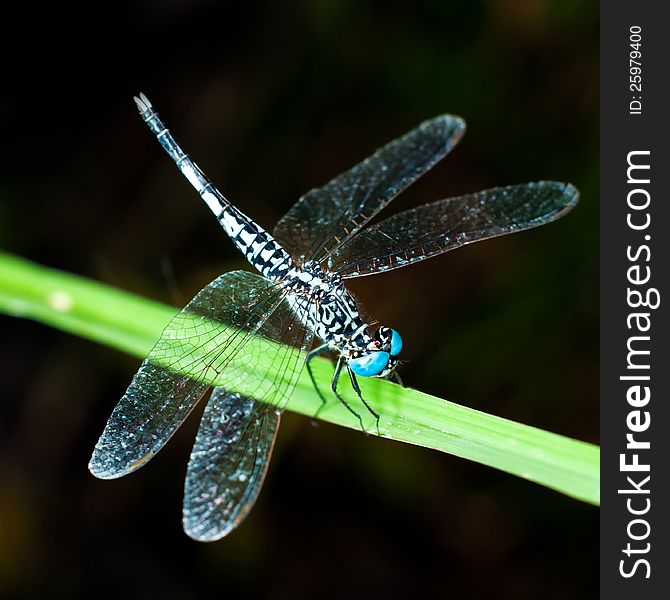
x: 246, y: 323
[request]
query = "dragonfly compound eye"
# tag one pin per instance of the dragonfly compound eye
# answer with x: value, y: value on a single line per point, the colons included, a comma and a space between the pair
x: 389, y: 340
x: 370, y: 365
x: 396, y: 343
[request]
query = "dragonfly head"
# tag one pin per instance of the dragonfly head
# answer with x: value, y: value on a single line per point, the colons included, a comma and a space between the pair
x: 382, y: 362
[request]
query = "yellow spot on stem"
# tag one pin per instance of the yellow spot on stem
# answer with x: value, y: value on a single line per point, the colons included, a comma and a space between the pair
x: 60, y: 301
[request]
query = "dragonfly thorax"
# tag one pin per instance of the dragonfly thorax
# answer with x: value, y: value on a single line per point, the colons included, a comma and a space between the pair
x: 324, y: 305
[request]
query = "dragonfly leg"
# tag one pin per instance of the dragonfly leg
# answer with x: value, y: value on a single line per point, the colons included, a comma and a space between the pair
x: 333, y: 386
x: 396, y: 376
x: 357, y: 389
x: 313, y: 354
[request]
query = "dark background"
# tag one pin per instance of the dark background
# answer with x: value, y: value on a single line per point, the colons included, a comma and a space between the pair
x: 270, y: 101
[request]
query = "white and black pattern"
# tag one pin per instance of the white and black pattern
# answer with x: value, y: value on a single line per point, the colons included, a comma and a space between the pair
x: 244, y: 335
x: 328, y: 309
x: 253, y: 241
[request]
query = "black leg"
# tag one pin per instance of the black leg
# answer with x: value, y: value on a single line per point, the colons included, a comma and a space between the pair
x: 357, y: 389
x: 336, y: 376
x: 397, y: 378
x: 314, y: 353
x: 333, y: 386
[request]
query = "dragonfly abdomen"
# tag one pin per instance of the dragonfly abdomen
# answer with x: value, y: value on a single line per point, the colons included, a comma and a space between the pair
x: 257, y: 245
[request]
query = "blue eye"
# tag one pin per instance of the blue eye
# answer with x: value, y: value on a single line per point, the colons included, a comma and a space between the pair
x: 396, y: 343
x: 369, y: 365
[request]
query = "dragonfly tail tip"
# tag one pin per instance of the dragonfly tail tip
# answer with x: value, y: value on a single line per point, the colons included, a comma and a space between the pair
x: 142, y: 102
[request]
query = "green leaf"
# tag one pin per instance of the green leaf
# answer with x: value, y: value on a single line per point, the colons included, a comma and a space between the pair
x: 132, y: 324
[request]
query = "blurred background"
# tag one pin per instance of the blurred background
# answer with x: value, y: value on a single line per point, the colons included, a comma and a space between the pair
x: 272, y: 99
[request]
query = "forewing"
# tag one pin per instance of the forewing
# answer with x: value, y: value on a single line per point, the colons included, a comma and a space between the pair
x: 236, y: 435
x: 197, y: 346
x: 432, y: 229
x: 326, y: 217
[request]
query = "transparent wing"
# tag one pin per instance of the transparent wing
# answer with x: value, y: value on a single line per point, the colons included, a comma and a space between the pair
x: 217, y: 336
x: 328, y: 216
x: 432, y: 229
x: 228, y: 464
x: 237, y: 432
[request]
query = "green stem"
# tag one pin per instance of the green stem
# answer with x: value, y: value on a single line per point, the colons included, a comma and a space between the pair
x: 132, y: 324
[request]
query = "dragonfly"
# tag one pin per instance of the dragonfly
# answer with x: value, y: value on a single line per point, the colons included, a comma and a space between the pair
x: 245, y: 337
